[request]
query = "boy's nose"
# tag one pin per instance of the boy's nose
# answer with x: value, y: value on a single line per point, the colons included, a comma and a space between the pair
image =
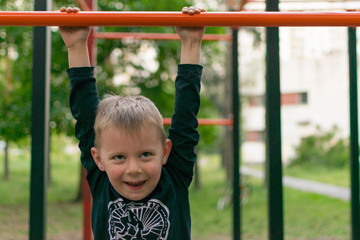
x: 133, y: 167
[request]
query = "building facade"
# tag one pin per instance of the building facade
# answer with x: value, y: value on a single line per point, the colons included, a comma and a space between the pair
x: 314, y: 87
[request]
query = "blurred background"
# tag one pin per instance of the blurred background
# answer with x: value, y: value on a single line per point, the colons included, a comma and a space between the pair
x: 315, y: 119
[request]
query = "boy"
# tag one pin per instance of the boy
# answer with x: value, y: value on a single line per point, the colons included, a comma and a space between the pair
x: 138, y: 178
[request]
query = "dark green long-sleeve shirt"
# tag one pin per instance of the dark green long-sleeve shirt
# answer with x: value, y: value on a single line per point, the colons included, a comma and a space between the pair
x: 165, y: 213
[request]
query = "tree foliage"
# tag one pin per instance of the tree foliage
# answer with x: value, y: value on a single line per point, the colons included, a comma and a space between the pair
x: 322, y: 149
x: 15, y: 104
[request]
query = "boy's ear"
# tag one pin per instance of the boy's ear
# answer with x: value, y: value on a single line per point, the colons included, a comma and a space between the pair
x: 167, y: 150
x: 96, y: 156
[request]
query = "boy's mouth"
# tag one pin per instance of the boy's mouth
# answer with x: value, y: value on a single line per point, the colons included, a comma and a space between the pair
x: 135, y: 185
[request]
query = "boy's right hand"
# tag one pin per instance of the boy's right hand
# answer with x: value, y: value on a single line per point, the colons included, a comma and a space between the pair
x: 191, y: 33
x: 75, y: 39
x: 191, y: 38
x: 73, y: 36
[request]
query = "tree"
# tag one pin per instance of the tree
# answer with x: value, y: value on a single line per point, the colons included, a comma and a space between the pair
x: 16, y: 86
x: 324, y: 148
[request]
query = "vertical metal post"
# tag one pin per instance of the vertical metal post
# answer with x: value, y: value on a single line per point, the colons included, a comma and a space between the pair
x: 354, y: 135
x: 40, y: 129
x: 273, y: 130
x: 236, y: 137
x: 87, y: 201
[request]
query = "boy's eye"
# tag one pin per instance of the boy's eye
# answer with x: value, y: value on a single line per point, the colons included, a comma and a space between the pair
x: 119, y: 157
x: 145, y: 154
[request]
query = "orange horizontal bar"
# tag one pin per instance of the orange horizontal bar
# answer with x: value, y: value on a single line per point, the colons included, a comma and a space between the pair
x: 98, y: 18
x: 156, y: 36
x: 206, y: 121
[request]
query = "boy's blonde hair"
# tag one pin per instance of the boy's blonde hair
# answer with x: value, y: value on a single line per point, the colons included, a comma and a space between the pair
x: 129, y: 113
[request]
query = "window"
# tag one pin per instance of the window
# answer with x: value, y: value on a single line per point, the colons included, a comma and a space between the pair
x: 286, y: 99
x: 256, y: 100
x: 255, y: 136
x: 293, y: 98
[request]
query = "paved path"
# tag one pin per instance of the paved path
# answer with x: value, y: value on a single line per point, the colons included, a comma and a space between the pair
x: 342, y: 193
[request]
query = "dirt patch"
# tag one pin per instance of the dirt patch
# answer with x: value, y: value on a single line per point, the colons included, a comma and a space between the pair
x: 14, y: 222
x: 76, y: 235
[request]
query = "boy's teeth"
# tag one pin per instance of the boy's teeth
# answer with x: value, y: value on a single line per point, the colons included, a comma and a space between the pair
x: 135, y: 184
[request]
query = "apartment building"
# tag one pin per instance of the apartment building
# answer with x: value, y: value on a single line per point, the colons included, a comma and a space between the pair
x: 314, y: 87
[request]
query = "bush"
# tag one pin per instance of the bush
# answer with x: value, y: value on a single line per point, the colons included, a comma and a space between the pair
x: 322, y: 149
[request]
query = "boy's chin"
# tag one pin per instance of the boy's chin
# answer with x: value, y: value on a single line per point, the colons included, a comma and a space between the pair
x: 133, y: 196
x: 136, y: 198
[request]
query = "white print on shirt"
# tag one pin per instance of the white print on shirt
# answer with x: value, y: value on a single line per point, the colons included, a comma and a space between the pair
x: 138, y: 221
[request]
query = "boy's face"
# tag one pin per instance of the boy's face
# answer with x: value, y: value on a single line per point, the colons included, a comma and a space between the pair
x: 132, y: 162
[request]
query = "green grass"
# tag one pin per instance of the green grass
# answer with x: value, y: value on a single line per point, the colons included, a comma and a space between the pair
x: 306, y: 216
x: 206, y: 220
x: 16, y: 190
x: 336, y: 176
x: 62, y: 213
x: 310, y: 216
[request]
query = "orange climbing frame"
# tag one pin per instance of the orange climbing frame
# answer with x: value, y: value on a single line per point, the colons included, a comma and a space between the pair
x: 156, y: 36
x: 101, y: 18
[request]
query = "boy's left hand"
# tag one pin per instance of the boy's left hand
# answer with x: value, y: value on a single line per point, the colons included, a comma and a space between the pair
x: 191, y: 33
x: 74, y: 36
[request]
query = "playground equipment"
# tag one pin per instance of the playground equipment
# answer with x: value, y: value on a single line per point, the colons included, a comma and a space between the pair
x: 271, y: 19
x: 156, y: 36
x: 222, y: 19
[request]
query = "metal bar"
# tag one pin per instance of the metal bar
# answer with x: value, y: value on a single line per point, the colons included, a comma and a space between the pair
x: 273, y: 130
x: 40, y: 127
x: 354, y: 135
x: 101, y: 18
x: 236, y: 137
x: 206, y: 122
x: 87, y: 200
x: 87, y: 203
x: 156, y: 36
x: 273, y: 140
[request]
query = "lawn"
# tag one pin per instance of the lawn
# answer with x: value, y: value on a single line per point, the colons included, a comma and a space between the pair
x: 63, y: 214
x: 336, y: 176
x: 307, y: 216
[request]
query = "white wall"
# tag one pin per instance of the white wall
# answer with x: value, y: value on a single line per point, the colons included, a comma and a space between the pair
x: 313, y: 60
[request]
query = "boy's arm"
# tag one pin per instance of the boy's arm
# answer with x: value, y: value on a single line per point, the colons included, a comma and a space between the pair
x: 83, y: 104
x: 191, y: 39
x: 83, y: 93
x: 75, y: 39
x: 182, y: 131
x: 190, y: 52
x: 78, y: 56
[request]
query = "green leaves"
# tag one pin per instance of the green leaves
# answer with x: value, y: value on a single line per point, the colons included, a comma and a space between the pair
x: 322, y: 149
